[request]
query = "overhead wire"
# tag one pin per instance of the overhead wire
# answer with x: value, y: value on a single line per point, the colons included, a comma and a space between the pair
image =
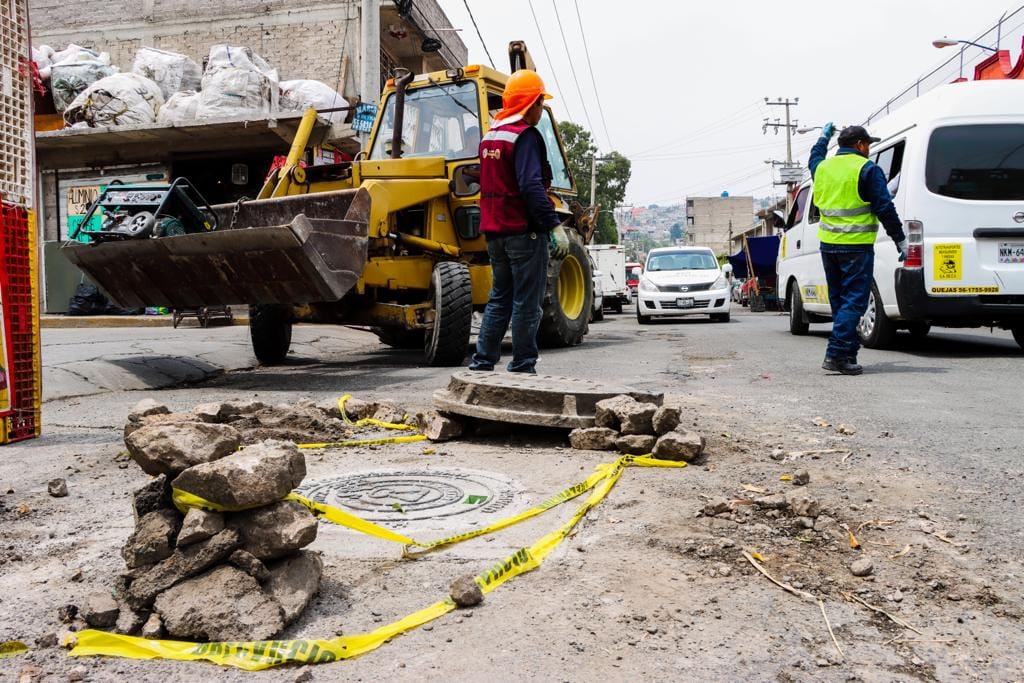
x: 551, y: 65
x: 730, y: 120
x: 572, y: 68
x: 593, y: 80
x: 478, y: 34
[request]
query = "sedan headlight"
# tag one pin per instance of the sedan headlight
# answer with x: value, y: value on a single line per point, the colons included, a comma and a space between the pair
x: 648, y: 286
x: 720, y: 283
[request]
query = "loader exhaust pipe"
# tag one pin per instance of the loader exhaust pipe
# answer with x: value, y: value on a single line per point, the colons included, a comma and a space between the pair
x: 403, y: 77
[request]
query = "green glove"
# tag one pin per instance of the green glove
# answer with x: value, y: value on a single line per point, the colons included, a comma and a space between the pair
x: 559, y: 242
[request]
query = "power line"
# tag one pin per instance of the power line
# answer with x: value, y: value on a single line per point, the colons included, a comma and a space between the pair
x: 551, y: 65
x: 727, y: 121
x: 478, y: 34
x: 572, y: 69
x: 593, y: 81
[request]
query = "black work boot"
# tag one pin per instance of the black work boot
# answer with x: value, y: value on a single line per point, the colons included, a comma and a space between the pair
x: 844, y: 366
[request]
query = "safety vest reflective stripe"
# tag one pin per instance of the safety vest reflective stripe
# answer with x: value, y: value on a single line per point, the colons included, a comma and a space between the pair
x: 838, y: 213
x: 502, y: 135
x: 849, y: 227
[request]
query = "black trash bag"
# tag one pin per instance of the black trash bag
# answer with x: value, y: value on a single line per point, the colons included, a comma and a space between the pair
x: 89, y: 300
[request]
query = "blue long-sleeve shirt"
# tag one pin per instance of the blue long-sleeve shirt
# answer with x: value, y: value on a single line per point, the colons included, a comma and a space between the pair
x: 872, y: 188
x: 530, y: 156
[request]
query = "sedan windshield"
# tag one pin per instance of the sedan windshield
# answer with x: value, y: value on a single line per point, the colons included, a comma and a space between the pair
x: 682, y: 260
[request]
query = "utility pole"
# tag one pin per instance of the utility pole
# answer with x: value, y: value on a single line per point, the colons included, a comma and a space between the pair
x: 593, y: 179
x: 790, y: 125
x: 369, y: 57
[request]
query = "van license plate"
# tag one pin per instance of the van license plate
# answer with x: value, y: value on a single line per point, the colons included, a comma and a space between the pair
x: 1011, y: 252
x: 684, y: 303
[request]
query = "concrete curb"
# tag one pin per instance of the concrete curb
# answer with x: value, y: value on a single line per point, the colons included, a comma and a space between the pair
x: 98, y: 321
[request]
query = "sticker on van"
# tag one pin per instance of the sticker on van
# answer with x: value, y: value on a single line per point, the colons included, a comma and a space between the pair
x: 948, y: 260
x: 990, y: 289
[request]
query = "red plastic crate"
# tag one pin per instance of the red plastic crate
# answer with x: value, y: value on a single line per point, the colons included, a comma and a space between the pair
x: 22, y: 340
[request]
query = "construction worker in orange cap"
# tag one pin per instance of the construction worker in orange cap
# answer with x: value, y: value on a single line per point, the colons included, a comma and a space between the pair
x: 520, y: 223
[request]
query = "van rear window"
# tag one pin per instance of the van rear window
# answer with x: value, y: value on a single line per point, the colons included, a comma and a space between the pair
x: 979, y: 162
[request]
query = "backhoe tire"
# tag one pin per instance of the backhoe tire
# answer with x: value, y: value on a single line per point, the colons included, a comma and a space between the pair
x: 400, y: 338
x: 270, y: 328
x: 568, y: 299
x: 797, y: 320
x: 452, y: 292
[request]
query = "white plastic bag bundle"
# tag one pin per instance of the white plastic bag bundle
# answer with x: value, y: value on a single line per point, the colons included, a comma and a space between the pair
x: 237, y: 83
x: 172, y: 71
x: 302, y: 94
x: 73, y: 70
x: 179, y: 108
x: 117, y: 100
x: 43, y: 57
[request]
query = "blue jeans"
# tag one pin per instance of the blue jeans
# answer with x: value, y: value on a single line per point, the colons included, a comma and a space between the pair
x: 519, y: 273
x: 849, y: 275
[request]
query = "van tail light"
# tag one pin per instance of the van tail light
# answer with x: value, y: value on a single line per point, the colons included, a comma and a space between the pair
x: 915, y: 244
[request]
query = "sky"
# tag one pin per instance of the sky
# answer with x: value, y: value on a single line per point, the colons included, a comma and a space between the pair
x: 680, y: 86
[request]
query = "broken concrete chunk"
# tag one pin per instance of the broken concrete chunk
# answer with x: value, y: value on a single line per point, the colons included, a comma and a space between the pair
x: 153, y: 538
x: 465, y: 591
x: 225, y: 604
x: 607, y: 411
x: 275, y: 530
x: 776, y: 501
x: 147, y: 407
x: 226, y: 410
x: 173, y: 448
x: 862, y: 566
x: 129, y: 621
x: 294, y: 581
x: 389, y: 412
x: 679, y: 445
x: 100, y: 610
x: 803, y: 505
x: 636, y: 444
x: 329, y: 407
x: 249, y: 564
x: 716, y: 506
x: 153, y: 629
x: 666, y: 419
x: 801, y: 478
x: 182, y: 564
x: 58, y: 488
x: 439, y: 427
x: 259, y: 474
x: 637, y: 419
x: 132, y: 426
x: 156, y: 495
x: 593, y: 438
x: 199, y: 525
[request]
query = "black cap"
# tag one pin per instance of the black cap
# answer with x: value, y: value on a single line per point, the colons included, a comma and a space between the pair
x: 852, y: 134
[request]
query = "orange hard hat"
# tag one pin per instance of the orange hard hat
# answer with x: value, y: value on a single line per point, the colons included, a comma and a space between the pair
x: 521, y: 90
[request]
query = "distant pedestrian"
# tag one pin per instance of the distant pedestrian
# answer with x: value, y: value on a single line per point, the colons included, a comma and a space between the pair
x: 851, y: 193
x: 519, y: 220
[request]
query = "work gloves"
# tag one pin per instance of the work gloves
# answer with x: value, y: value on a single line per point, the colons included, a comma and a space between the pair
x: 828, y: 131
x: 559, y: 242
x: 902, y: 246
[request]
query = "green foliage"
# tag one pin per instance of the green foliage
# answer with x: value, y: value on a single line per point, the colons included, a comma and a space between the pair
x: 676, y: 231
x: 613, y: 174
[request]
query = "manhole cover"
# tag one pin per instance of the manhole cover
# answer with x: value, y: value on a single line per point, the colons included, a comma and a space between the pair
x: 542, y: 400
x: 409, y: 495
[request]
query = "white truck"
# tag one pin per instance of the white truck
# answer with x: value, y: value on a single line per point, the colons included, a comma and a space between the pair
x: 611, y: 261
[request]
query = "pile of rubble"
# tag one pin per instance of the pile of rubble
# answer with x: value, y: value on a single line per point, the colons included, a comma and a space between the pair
x: 634, y: 428
x: 207, y: 575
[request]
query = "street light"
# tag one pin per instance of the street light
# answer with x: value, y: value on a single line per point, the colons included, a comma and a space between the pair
x: 808, y: 129
x: 952, y: 42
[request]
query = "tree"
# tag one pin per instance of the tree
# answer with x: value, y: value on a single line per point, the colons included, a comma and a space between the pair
x: 676, y: 231
x: 613, y: 173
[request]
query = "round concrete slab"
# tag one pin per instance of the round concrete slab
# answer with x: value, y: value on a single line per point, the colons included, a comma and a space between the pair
x: 396, y: 496
x: 540, y: 400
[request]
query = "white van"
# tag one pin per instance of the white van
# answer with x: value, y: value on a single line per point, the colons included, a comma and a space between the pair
x: 954, y: 159
x: 610, y: 259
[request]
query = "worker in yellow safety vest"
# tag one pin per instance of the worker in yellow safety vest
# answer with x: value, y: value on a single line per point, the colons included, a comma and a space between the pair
x: 851, y: 193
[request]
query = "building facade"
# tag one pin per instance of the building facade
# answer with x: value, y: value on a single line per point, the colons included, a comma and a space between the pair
x: 713, y: 221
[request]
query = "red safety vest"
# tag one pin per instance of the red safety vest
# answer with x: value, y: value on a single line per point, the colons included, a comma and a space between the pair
x: 502, y: 209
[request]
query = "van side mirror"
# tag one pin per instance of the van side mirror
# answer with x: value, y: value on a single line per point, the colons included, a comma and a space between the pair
x: 637, y: 272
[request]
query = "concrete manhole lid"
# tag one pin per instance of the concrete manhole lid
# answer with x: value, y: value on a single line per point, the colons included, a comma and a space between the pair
x: 395, y: 496
x: 541, y: 400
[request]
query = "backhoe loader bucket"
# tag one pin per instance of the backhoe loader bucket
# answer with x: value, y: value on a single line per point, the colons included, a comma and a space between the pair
x: 295, y: 249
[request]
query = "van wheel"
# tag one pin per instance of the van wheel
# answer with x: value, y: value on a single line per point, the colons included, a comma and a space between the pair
x: 919, y: 330
x: 719, y: 317
x: 798, y: 324
x: 598, y: 313
x: 1018, y: 335
x: 270, y: 328
x: 875, y: 329
x: 568, y: 299
x: 617, y: 306
x: 452, y: 293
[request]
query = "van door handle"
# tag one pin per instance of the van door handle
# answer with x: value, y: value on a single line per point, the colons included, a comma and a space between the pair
x: 798, y: 244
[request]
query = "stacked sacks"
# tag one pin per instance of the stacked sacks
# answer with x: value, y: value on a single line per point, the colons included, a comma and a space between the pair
x: 634, y: 428
x: 209, y: 575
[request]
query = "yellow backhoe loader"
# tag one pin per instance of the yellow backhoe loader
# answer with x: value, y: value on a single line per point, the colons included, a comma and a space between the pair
x: 390, y: 240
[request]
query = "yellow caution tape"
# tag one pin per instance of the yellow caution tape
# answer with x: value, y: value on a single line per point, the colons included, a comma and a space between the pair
x: 364, y: 442
x: 258, y: 655
x: 369, y: 421
x: 12, y: 648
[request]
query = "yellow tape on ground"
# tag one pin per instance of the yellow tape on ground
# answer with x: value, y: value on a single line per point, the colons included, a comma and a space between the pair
x: 11, y: 648
x: 264, y: 654
x: 363, y: 442
x: 369, y: 421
